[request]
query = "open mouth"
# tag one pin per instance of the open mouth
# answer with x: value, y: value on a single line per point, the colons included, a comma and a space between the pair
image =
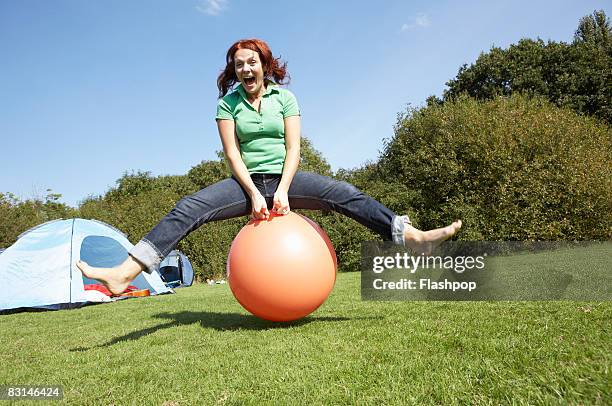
x: 249, y: 81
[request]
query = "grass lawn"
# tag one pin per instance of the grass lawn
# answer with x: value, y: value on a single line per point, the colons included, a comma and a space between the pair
x: 200, y: 347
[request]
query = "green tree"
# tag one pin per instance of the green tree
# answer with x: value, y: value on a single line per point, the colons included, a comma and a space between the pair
x: 577, y: 75
x: 312, y: 160
x: 595, y: 30
x: 208, y: 172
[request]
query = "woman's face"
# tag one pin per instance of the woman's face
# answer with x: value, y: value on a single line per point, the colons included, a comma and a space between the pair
x: 249, y: 71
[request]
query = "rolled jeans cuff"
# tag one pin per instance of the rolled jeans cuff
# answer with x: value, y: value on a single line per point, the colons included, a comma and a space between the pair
x: 146, y: 253
x: 398, y: 226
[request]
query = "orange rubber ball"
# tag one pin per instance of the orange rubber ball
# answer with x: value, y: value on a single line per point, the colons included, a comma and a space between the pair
x: 283, y: 268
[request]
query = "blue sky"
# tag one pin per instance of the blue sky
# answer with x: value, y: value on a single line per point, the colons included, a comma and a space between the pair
x: 90, y: 89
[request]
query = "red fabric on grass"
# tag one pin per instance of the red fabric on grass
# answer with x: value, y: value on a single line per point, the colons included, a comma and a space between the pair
x: 101, y: 288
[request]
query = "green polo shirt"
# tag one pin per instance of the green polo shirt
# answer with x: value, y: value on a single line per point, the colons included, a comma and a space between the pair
x: 261, y: 135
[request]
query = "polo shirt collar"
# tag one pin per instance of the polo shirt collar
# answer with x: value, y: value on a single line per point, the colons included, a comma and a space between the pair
x: 271, y: 87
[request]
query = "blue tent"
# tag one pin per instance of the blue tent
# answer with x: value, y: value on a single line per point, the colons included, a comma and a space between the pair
x: 176, y: 270
x: 39, y: 271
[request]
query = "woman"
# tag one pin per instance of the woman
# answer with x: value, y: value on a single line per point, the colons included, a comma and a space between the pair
x: 259, y: 125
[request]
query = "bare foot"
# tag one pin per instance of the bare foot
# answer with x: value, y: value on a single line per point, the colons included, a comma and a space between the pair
x: 115, y: 279
x: 424, y: 242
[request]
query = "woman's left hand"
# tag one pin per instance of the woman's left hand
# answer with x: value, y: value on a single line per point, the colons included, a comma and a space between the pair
x: 281, y: 202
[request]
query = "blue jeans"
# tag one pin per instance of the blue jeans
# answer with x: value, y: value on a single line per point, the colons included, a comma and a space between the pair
x: 227, y: 199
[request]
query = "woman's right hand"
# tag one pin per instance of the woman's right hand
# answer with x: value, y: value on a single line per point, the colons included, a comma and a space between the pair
x: 259, y: 208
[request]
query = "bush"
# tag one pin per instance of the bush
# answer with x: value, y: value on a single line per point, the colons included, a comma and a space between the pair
x: 18, y: 216
x: 512, y: 168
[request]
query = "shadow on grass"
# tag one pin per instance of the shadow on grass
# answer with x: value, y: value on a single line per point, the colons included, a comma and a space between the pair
x: 218, y: 321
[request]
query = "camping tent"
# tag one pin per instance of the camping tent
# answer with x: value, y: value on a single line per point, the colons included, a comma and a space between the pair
x: 176, y: 270
x: 39, y: 270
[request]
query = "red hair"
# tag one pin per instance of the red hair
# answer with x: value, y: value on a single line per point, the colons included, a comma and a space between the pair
x: 273, y: 67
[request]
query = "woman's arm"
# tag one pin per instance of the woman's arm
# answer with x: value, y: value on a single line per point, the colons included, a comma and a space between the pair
x: 292, y: 161
x: 231, y: 149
